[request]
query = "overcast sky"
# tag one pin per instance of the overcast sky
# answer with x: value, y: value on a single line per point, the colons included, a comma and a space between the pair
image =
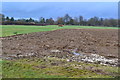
x: 58, y: 9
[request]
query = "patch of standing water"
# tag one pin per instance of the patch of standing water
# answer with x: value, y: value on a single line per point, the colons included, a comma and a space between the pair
x: 76, y: 53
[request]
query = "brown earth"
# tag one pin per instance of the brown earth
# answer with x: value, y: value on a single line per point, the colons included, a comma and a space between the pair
x: 98, y: 41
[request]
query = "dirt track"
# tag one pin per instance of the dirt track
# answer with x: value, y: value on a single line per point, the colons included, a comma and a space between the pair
x: 98, y: 41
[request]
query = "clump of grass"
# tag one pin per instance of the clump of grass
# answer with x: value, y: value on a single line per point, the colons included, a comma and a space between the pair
x: 15, y: 33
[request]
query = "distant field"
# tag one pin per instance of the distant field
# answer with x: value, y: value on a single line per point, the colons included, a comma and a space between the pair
x: 8, y: 30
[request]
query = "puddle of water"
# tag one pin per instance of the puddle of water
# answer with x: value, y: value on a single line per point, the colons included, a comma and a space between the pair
x: 76, y: 53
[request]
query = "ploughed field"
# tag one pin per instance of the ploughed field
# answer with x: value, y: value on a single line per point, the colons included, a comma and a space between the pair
x: 54, y: 54
x: 95, y: 41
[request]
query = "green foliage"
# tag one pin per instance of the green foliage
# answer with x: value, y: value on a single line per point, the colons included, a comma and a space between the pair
x: 30, y: 20
x: 49, y: 21
x: 2, y: 17
x: 12, y: 19
x: 67, y: 20
x: 15, y: 33
x: 42, y: 20
x: 7, y: 18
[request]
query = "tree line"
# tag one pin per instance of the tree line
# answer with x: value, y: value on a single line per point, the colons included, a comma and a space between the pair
x: 65, y: 20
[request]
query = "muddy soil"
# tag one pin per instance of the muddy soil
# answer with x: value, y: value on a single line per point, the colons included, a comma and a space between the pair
x: 90, y: 41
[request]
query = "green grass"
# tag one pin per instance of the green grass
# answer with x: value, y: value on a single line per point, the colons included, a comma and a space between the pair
x: 8, y: 30
x: 44, y: 68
